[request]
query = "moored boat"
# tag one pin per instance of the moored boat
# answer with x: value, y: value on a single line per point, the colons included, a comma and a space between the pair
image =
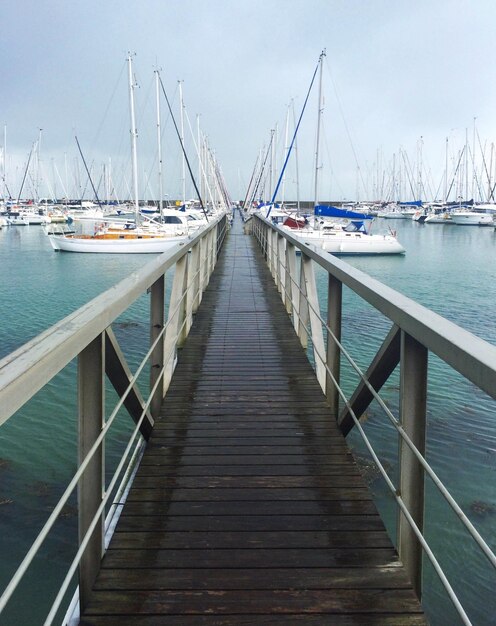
x: 472, y: 218
x: 115, y: 242
x: 138, y: 236
x: 342, y: 242
x: 343, y: 234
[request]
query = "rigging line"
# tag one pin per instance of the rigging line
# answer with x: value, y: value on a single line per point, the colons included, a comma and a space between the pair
x: 485, y: 168
x: 476, y: 179
x: 259, y: 179
x: 250, y: 183
x: 332, y: 177
x: 99, y: 129
x: 260, y: 173
x: 202, y: 168
x: 454, y: 175
x: 25, y: 172
x: 88, y: 172
x: 409, y: 171
x: 6, y: 186
x: 182, y: 147
x: 340, y: 106
x: 274, y: 195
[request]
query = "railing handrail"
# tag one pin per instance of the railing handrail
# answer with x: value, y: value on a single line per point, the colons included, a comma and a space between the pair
x: 470, y: 355
x: 40, y: 359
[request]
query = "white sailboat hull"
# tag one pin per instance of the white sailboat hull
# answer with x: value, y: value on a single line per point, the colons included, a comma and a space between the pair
x: 342, y: 243
x: 137, y: 245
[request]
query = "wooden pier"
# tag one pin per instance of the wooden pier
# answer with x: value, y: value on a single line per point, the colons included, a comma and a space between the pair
x: 247, y: 507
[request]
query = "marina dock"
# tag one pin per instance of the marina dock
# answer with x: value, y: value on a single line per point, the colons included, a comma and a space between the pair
x: 247, y: 507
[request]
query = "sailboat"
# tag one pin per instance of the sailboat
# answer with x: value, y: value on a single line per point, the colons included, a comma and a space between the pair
x: 343, y: 234
x: 137, y: 237
x: 337, y: 231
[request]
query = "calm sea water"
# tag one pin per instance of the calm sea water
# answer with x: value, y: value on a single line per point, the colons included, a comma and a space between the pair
x: 449, y: 269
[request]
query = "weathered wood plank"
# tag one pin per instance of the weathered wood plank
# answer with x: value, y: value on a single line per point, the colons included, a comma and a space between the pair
x: 244, y: 482
x: 247, y: 620
x: 245, y: 558
x: 276, y: 508
x: 392, y: 577
x: 229, y: 523
x: 244, y: 459
x: 172, y: 494
x: 325, y: 469
x: 227, y: 602
x: 249, y: 539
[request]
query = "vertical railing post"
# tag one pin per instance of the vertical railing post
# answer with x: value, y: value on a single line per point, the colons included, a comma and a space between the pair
x: 175, y: 319
x: 211, y: 254
x: 316, y: 332
x: 291, y: 288
x: 303, y: 311
x: 203, y: 265
x: 413, y: 403
x: 270, y: 250
x: 91, y: 405
x: 205, y: 261
x: 281, y: 265
x: 157, y: 305
x: 267, y: 250
x: 275, y: 240
x: 212, y: 236
x: 334, y: 313
x: 189, y: 296
x: 194, y: 265
x: 265, y: 240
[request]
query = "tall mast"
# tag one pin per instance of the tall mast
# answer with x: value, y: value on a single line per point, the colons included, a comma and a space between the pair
x: 5, y: 161
x: 466, y: 163
x: 473, y: 162
x: 182, y: 139
x: 296, y: 164
x: 419, y: 172
x: 286, y: 148
x: 159, y: 140
x: 489, y: 182
x: 317, y: 147
x: 134, y: 135
x: 200, y: 154
x: 446, y: 171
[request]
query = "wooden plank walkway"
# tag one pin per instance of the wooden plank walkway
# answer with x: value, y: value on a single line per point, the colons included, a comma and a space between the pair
x: 247, y: 507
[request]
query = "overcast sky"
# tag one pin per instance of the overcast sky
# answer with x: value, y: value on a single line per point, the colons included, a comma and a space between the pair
x: 399, y: 78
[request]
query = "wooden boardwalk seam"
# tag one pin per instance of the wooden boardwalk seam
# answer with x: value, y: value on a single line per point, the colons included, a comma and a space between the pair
x: 248, y: 507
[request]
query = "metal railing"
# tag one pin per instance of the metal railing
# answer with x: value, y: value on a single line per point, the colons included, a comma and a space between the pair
x: 88, y: 336
x: 415, y: 332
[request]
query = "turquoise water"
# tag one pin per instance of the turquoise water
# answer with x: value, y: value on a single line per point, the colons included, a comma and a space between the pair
x: 447, y: 268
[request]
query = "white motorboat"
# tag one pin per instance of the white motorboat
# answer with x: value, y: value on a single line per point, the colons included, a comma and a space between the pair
x: 472, y: 218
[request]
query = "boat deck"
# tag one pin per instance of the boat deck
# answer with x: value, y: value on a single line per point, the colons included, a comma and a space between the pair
x: 248, y: 507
